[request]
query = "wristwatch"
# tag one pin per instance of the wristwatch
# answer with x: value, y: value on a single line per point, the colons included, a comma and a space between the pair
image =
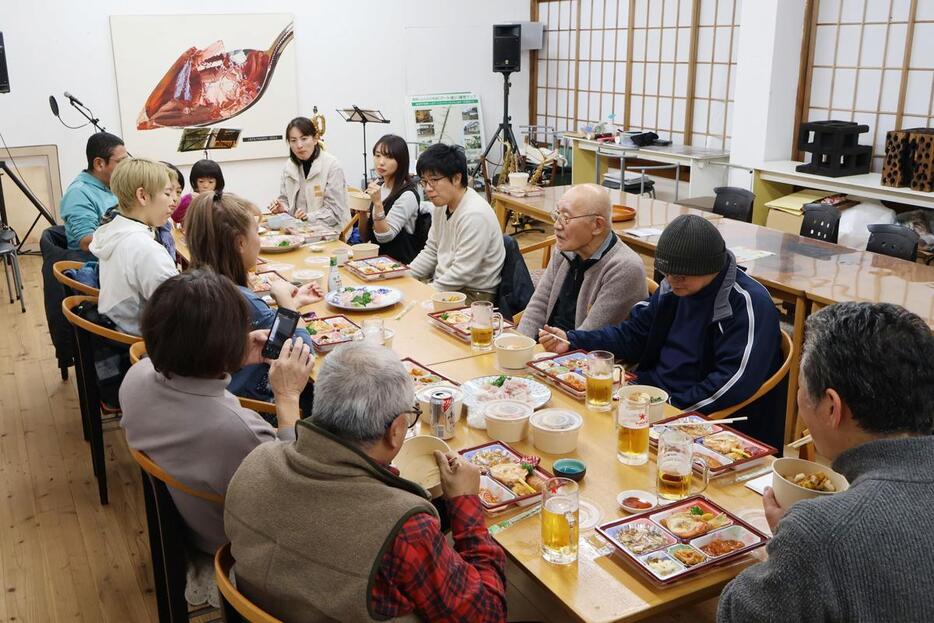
x: 379, y: 216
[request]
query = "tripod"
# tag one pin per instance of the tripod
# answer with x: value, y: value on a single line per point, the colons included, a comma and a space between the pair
x: 43, y: 211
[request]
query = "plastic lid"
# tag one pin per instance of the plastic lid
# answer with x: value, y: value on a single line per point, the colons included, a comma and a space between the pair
x: 557, y: 419
x: 507, y: 410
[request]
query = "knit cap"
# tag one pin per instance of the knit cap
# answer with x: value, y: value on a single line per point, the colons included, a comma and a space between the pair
x: 690, y: 245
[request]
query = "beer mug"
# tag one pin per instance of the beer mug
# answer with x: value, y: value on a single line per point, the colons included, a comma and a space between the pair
x: 632, y: 430
x: 598, y: 370
x: 560, y: 521
x: 485, y: 324
x: 676, y: 466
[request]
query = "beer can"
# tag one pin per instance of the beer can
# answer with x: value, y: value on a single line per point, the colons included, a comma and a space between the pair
x: 443, y: 417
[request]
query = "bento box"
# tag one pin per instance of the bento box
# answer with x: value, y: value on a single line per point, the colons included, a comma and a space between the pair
x: 456, y: 322
x: 566, y: 372
x: 681, y: 540
x: 376, y: 268
x: 332, y: 331
x: 519, y: 475
x: 722, y: 447
x: 423, y: 376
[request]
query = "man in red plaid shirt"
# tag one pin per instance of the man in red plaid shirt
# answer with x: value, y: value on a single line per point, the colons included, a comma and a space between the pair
x: 323, y: 529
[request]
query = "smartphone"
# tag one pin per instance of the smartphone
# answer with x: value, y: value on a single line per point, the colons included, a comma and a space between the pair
x: 283, y: 328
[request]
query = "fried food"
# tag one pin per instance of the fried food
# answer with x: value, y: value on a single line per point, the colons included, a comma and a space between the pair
x: 815, y: 482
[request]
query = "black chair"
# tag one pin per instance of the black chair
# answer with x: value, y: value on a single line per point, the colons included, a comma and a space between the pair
x: 894, y: 240
x: 734, y: 203
x: 91, y: 339
x: 167, y: 539
x: 10, y: 258
x: 821, y: 222
x: 515, y: 288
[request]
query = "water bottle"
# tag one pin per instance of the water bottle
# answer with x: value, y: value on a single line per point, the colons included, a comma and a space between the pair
x: 334, y: 277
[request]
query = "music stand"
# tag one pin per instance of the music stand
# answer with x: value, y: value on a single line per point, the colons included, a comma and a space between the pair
x: 356, y: 115
x: 203, y: 139
x: 41, y: 209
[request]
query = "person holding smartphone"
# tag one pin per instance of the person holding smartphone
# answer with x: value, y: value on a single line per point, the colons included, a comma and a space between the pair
x: 177, y: 409
x: 222, y: 235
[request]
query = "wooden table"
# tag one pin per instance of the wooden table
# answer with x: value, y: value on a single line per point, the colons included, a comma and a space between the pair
x: 597, y: 587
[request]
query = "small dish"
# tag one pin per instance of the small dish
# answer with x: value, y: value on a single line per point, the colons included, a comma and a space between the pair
x: 644, y: 496
x: 316, y: 248
x: 570, y: 468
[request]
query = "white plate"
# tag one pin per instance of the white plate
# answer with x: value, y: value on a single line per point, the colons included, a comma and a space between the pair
x: 383, y: 297
x: 645, y: 496
x: 270, y: 244
x: 539, y: 394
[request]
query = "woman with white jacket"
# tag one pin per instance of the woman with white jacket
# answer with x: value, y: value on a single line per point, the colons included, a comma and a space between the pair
x: 313, y: 186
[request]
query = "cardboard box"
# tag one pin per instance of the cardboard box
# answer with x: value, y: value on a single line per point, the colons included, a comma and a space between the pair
x: 784, y: 221
x: 786, y: 213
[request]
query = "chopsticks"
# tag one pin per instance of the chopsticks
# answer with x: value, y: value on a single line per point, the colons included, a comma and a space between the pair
x: 801, y: 442
x: 723, y: 421
x: 498, y: 527
x: 408, y: 307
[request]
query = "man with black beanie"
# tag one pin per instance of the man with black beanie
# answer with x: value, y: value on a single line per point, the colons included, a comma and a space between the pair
x: 709, y: 336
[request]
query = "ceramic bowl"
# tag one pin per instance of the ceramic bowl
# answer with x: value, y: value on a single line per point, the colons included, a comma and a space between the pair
x: 574, y: 469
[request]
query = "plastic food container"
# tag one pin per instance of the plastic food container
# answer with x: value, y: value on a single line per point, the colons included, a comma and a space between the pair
x: 365, y: 250
x: 507, y: 420
x: 358, y: 201
x: 444, y: 301
x: 555, y: 431
x: 787, y: 492
x: 513, y: 351
x: 416, y: 462
x: 657, y: 399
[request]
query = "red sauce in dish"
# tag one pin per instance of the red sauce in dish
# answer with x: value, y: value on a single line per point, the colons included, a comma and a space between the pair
x: 634, y: 502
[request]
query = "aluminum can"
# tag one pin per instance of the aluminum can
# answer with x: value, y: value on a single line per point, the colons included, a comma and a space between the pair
x: 443, y: 417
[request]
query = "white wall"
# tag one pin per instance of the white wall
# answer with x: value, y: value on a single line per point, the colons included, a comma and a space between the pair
x: 365, y: 52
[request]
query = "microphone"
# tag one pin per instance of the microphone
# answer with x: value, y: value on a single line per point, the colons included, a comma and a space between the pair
x: 74, y: 100
x: 53, y: 105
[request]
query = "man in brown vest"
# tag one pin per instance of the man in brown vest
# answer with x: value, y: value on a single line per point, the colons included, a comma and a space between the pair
x: 323, y: 529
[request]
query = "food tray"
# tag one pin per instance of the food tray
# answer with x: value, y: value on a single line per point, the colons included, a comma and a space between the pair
x: 646, y: 543
x: 423, y: 376
x: 375, y: 268
x: 710, y: 441
x: 331, y: 331
x: 310, y: 232
x: 566, y: 372
x: 262, y: 283
x: 456, y: 322
x: 496, y: 452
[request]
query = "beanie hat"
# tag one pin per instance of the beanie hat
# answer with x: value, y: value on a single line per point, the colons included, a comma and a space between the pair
x: 690, y: 245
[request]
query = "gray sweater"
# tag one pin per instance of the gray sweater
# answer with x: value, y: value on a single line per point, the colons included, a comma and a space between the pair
x: 196, y: 431
x: 610, y: 288
x: 860, y: 555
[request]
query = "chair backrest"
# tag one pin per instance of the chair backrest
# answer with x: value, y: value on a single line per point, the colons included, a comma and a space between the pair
x: 72, y: 285
x: 821, y: 221
x: 68, y: 307
x: 349, y: 226
x: 651, y: 285
x: 734, y: 203
x: 770, y: 383
x: 234, y: 602
x: 152, y: 468
x: 545, y: 245
x: 893, y: 240
x: 138, y: 352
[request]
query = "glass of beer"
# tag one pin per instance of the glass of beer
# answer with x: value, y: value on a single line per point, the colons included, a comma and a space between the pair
x: 632, y: 430
x: 599, y: 373
x: 560, y: 521
x: 485, y: 324
x: 676, y: 466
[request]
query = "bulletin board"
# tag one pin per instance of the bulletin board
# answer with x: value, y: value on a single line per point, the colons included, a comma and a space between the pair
x: 451, y: 118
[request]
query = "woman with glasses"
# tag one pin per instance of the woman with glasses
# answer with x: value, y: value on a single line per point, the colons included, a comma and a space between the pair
x: 222, y: 236
x: 312, y: 186
x: 394, y: 219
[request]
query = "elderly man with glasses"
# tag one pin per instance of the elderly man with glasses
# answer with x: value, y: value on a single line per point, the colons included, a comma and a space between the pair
x: 595, y: 279
x: 464, y: 251
x: 324, y: 529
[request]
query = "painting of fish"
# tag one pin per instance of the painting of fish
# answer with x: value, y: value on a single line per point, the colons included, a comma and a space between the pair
x: 210, y: 85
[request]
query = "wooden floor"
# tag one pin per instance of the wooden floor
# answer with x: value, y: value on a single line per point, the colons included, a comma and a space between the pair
x: 63, y: 556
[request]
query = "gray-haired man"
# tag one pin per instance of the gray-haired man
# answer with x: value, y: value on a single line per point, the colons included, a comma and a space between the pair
x: 323, y: 529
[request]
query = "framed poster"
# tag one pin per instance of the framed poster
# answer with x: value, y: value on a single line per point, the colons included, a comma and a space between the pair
x: 219, y: 72
x: 452, y: 118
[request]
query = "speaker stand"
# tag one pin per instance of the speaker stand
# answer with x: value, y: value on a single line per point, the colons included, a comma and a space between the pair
x: 504, y: 131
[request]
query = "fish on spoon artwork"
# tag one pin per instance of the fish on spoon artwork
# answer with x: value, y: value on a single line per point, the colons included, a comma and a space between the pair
x: 210, y: 85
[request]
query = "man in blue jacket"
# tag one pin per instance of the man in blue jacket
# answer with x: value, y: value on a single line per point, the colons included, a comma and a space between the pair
x: 709, y: 336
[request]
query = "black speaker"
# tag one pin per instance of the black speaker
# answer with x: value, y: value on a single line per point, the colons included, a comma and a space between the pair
x: 507, y: 47
x: 4, y: 76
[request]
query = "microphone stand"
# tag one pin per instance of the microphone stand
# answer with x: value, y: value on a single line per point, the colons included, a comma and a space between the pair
x: 87, y: 114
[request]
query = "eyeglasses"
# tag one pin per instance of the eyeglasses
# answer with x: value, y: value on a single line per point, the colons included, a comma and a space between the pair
x: 410, y: 421
x: 430, y: 181
x: 564, y: 219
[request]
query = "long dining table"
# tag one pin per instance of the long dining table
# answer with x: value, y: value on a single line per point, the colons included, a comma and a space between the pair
x: 598, y: 587
x: 800, y: 271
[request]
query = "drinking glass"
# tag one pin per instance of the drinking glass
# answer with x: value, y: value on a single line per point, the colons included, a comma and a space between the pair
x: 598, y: 370
x: 560, y: 521
x: 675, y: 466
x: 485, y: 324
x: 372, y: 330
x: 632, y: 430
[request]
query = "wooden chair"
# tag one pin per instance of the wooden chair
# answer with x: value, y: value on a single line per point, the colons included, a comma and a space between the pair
x: 167, y: 538
x: 545, y: 245
x: 349, y: 226
x: 651, y: 285
x: 234, y: 605
x: 138, y: 352
x: 88, y: 391
x: 766, y: 387
x: 807, y: 451
x: 72, y: 286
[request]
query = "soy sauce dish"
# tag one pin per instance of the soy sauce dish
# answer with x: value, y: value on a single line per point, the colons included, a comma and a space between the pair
x: 569, y: 468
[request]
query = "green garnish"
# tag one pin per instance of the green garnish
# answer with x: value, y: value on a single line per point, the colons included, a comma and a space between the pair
x: 498, y: 381
x: 363, y: 299
x: 443, y: 316
x: 696, y: 510
x: 311, y: 331
x: 283, y: 243
x: 528, y: 467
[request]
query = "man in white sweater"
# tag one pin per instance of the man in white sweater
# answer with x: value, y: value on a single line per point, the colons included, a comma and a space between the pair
x: 464, y: 251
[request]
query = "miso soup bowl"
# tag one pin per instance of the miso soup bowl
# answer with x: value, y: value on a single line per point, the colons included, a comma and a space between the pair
x: 787, y: 492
